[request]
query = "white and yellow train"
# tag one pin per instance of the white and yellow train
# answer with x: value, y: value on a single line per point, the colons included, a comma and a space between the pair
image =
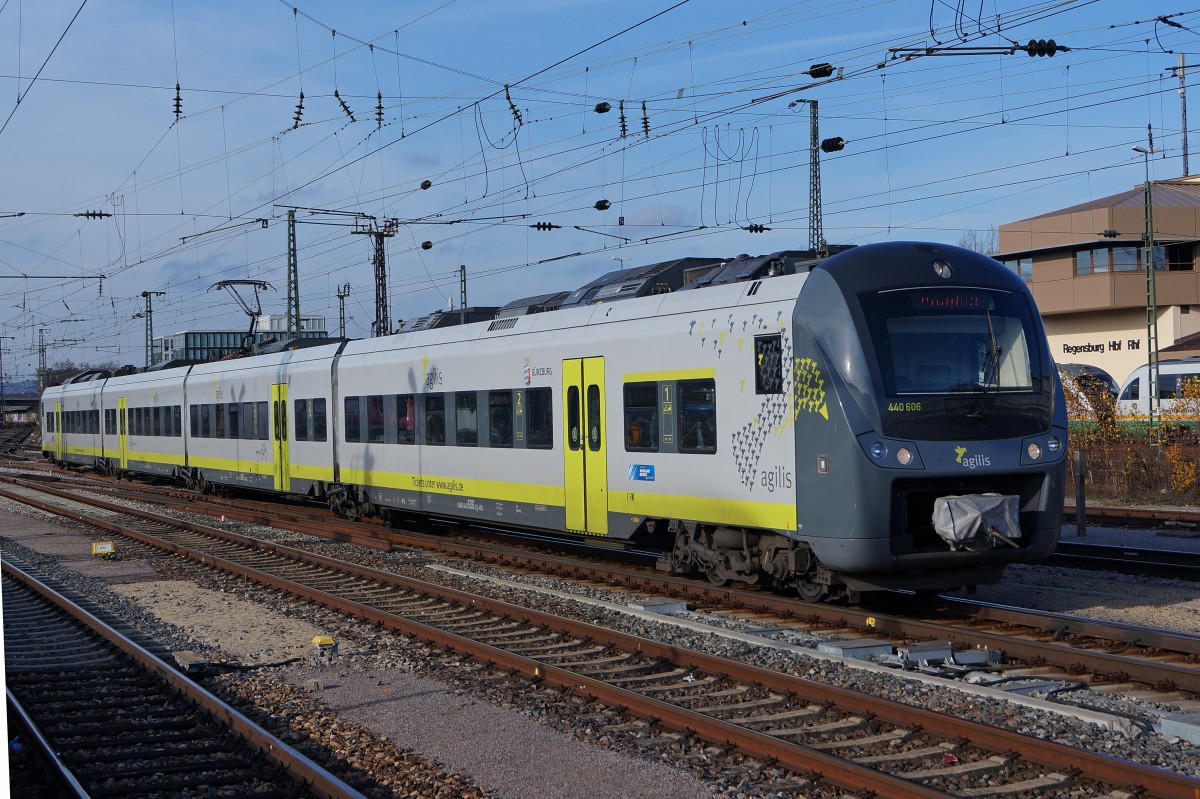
x: 890, y: 418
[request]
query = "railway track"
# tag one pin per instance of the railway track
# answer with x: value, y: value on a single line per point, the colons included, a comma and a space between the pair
x: 1128, y: 560
x: 110, y: 719
x: 828, y: 737
x: 1098, y: 652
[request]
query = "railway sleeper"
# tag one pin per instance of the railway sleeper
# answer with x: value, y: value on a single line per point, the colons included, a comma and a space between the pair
x: 974, y: 768
x: 1025, y: 787
x: 911, y: 755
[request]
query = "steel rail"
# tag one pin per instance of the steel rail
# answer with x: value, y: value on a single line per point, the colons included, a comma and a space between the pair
x: 68, y: 787
x: 1156, y: 782
x: 299, y: 765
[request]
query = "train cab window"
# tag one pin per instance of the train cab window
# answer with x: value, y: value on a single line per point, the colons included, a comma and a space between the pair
x: 301, y: 417
x: 317, y: 406
x: 539, y: 418
x: 375, y: 418
x: 435, y: 419
x: 768, y: 364
x: 641, y: 417
x: 353, y: 419
x: 697, y: 415
x: 262, y: 422
x: 573, y: 420
x: 466, y: 419
x: 234, y: 416
x: 593, y: 418
x: 1133, y: 391
x: 500, y: 419
x: 406, y: 419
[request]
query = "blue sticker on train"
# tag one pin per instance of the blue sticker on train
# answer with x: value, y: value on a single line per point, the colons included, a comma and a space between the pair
x: 641, y: 471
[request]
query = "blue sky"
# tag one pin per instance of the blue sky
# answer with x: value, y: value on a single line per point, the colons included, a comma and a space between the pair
x: 936, y: 145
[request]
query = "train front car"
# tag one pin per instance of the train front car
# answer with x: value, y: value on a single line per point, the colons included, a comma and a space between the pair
x: 930, y: 426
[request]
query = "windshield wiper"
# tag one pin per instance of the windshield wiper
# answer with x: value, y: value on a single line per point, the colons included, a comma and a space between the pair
x: 991, y: 376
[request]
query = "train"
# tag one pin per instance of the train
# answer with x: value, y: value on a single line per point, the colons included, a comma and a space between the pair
x: 888, y: 417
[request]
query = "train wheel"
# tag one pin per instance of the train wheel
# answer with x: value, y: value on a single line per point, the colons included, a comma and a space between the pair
x: 716, y: 579
x: 810, y: 591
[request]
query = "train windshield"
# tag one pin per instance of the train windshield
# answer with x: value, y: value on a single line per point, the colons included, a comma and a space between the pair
x: 950, y: 341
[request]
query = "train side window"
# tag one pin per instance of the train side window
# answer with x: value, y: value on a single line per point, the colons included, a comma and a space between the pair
x: 262, y: 421
x: 435, y: 419
x: 768, y: 364
x: 233, y: 412
x: 641, y: 417
x: 110, y: 421
x: 247, y: 420
x: 193, y: 412
x: 318, y: 418
x: 539, y: 418
x: 573, y: 420
x: 466, y: 419
x: 500, y: 419
x: 353, y: 419
x: 156, y: 416
x: 218, y: 420
x: 375, y: 418
x: 593, y: 417
x: 697, y: 415
x: 205, y: 421
x: 406, y: 419
x: 301, y: 420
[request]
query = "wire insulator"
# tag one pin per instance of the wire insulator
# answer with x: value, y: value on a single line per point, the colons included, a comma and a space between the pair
x: 379, y: 109
x: 624, y: 126
x: 345, y: 107
x: 645, y: 121
x: 512, y: 107
x: 299, y: 112
x: 178, y: 103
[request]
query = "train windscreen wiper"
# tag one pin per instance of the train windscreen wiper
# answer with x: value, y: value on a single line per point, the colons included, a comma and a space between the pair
x: 991, y: 377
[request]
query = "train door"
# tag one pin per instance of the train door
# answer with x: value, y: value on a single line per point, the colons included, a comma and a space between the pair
x: 58, y: 437
x: 586, y: 473
x: 279, y: 403
x: 121, y: 433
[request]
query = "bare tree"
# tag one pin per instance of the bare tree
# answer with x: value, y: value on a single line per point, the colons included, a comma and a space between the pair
x: 984, y: 241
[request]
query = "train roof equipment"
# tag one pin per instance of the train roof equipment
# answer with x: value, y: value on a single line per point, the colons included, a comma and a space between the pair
x: 538, y: 303
x: 640, y: 281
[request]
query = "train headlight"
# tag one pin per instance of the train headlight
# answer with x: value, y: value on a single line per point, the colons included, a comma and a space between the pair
x: 904, y: 456
x: 1053, y: 444
x: 878, y: 450
x: 1034, y: 450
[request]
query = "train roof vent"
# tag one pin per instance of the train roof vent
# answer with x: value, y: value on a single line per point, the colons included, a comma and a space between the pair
x: 928, y: 249
x: 503, y: 324
x: 754, y: 287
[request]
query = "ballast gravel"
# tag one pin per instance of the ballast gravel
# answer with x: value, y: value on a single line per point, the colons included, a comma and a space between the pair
x: 515, y: 746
